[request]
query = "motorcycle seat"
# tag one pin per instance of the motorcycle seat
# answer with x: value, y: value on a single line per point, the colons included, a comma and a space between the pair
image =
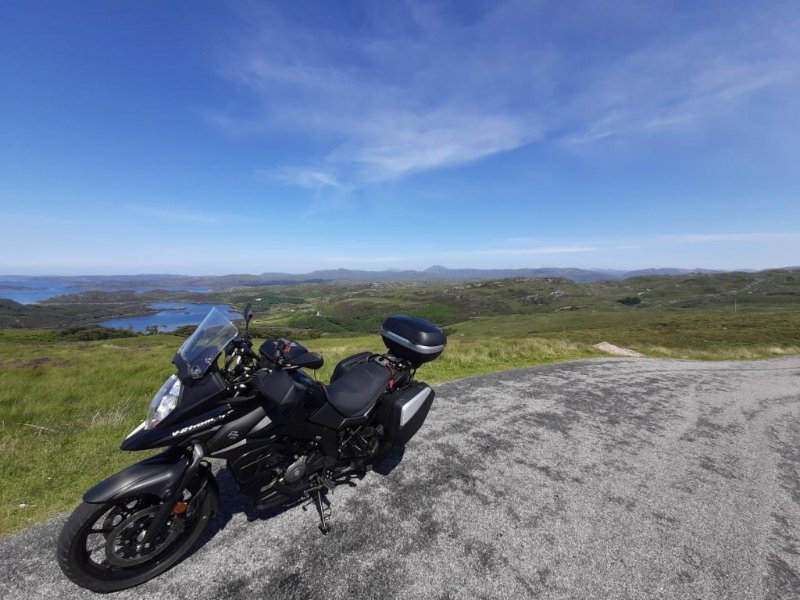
x: 358, y: 389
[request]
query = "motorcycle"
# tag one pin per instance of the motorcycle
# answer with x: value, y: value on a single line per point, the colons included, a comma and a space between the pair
x: 287, y: 439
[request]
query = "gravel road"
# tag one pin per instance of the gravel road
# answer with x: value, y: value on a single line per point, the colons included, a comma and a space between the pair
x: 620, y: 478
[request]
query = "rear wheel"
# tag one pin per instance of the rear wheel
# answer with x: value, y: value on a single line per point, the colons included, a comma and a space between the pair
x: 101, y: 546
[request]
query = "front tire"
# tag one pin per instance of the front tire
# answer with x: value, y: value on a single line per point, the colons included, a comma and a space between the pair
x: 98, y: 549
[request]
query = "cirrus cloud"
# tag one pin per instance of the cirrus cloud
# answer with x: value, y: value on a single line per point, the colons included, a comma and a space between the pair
x: 413, y: 87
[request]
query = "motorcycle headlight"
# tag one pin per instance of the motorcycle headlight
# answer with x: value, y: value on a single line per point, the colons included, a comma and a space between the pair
x: 164, y: 402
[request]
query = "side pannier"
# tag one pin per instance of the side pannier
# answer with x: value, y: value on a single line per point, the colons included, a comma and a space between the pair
x: 403, y: 412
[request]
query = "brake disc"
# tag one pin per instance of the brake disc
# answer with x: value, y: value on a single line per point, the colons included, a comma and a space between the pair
x: 117, y: 515
x: 124, y: 545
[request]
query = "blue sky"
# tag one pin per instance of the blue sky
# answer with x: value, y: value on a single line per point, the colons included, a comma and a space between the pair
x: 209, y: 137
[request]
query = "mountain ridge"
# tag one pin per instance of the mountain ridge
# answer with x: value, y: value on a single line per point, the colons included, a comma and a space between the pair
x: 431, y: 274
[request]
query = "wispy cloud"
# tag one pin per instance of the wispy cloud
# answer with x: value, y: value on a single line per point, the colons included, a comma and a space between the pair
x: 680, y: 84
x: 363, y: 260
x: 305, y: 177
x: 732, y: 237
x: 177, y: 215
x: 412, y: 87
x: 521, y: 246
x: 526, y: 251
x: 391, y: 145
x: 384, y: 105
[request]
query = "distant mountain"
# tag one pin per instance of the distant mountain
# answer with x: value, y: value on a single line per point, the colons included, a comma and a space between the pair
x: 577, y: 275
x: 67, y: 284
x: 438, y: 273
x: 667, y: 271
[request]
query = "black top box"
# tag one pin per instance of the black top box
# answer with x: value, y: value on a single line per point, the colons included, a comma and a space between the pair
x: 413, y: 339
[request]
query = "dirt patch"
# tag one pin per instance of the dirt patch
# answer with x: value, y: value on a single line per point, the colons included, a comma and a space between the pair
x: 35, y: 363
x: 617, y: 350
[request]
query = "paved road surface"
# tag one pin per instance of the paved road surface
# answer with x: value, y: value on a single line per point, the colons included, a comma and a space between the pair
x: 614, y: 478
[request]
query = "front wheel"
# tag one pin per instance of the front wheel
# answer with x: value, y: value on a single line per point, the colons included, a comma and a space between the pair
x: 100, y: 547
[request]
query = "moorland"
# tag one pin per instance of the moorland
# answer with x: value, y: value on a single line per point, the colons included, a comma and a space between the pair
x: 71, y: 390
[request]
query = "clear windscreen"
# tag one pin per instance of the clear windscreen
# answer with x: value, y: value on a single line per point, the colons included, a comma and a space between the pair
x: 209, y: 339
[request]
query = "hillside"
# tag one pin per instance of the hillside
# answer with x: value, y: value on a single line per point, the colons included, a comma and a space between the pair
x: 341, y: 308
x: 354, y: 307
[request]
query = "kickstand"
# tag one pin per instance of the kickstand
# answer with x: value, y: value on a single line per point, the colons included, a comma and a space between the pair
x: 323, y: 506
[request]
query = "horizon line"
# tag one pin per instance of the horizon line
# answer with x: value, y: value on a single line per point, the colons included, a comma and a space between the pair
x: 428, y: 270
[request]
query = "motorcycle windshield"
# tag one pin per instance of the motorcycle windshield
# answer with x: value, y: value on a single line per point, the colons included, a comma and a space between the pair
x: 205, y: 344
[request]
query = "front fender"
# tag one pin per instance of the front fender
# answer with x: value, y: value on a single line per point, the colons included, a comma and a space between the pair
x: 156, y: 476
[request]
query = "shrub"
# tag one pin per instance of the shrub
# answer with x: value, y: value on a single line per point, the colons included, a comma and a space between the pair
x: 94, y: 332
x: 184, y: 330
x: 262, y: 332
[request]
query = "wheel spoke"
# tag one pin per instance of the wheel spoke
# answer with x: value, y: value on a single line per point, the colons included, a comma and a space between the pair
x: 102, y: 530
x: 95, y: 549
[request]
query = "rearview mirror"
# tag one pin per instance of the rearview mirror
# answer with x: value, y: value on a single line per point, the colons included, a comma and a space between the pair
x: 247, y: 314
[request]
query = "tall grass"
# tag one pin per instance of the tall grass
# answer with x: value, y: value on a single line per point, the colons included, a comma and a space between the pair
x: 64, y: 408
x: 678, y: 333
x: 463, y: 356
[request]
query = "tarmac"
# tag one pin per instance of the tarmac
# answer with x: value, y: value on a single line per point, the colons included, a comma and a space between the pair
x: 609, y: 478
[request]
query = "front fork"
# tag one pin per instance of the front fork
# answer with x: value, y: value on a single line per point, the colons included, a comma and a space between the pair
x: 171, y: 499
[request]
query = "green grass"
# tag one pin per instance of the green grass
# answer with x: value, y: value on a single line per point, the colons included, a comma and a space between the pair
x: 64, y: 408
x: 464, y: 356
x: 66, y: 405
x: 675, y: 333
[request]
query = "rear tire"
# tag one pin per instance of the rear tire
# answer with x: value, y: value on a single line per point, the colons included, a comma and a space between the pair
x: 96, y: 531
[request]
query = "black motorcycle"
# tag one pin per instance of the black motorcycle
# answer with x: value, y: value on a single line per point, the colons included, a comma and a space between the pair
x: 286, y: 437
